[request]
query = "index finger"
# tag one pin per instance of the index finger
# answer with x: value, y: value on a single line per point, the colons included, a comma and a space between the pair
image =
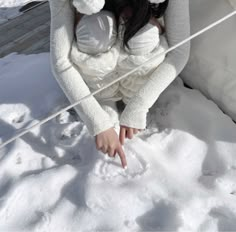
x: 122, y: 156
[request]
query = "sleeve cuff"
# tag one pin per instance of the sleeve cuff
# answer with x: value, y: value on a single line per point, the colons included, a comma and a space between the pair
x: 135, y: 118
x: 96, y: 123
x: 100, y: 127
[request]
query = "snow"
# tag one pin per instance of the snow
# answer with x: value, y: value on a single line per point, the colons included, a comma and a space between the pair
x: 181, y: 170
x: 10, y: 8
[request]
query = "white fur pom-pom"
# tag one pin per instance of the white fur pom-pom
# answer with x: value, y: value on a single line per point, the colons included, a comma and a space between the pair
x: 88, y: 7
x: 156, y: 1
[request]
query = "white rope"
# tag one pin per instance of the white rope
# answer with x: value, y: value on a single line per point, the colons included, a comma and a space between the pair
x: 118, y: 79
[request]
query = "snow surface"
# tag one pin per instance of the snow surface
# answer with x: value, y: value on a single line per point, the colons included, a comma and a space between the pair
x: 181, y: 171
x: 10, y: 8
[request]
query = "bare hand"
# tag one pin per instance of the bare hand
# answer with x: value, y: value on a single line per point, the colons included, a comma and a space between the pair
x: 127, y: 132
x: 108, y: 142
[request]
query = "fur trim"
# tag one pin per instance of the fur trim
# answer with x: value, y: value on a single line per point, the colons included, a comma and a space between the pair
x: 88, y: 7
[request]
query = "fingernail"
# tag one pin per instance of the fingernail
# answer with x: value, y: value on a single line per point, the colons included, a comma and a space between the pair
x: 125, y: 167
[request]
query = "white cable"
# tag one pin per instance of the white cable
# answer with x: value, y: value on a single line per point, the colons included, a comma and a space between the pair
x: 118, y: 79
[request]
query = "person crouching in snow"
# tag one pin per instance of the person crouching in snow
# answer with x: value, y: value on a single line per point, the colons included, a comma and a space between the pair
x: 93, y: 42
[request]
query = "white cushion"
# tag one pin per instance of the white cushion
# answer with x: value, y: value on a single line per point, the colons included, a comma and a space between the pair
x: 212, y: 64
x: 233, y: 3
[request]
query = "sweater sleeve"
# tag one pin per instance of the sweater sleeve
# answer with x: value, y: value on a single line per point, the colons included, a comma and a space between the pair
x: 66, y: 74
x: 177, y: 25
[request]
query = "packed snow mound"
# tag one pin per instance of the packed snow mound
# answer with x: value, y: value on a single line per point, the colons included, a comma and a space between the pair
x: 181, y: 171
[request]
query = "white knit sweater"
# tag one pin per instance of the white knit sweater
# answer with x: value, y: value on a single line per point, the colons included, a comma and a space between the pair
x: 97, y: 120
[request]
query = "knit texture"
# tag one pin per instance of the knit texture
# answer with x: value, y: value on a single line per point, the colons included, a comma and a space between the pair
x: 96, y: 117
x: 61, y: 36
x: 177, y: 25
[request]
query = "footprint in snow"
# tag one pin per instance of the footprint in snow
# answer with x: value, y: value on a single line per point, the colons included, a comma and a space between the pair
x: 67, y: 135
x: 67, y: 117
x: 163, y: 216
x: 18, y: 119
x: 226, y: 219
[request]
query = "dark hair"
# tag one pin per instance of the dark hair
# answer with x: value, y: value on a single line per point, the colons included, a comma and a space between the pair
x: 142, y: 11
